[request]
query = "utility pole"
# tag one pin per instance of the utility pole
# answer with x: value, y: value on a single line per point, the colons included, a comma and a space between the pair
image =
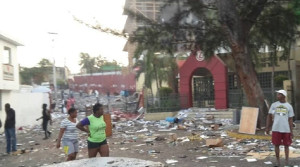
x: 54, y: 68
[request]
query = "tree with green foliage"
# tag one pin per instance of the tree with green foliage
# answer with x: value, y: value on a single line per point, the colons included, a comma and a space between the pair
x: 26, y: 76
x: 45, y: 63
x: 239, y: 26
x: 36, y: 75
x: 159, y: 64
x: 232, y: 25
x: 87, y: 62
x: 97, y: 64
x: 279, y: 43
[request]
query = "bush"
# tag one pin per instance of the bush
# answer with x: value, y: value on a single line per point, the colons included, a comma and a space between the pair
x: 165, y: 91
x: 278, y: 80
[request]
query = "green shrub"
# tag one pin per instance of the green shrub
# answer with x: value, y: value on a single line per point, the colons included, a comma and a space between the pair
x: 165, y: 91
x: 278, y: 80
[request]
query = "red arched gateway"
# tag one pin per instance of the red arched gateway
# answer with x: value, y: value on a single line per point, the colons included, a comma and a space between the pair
x: 219, y: 73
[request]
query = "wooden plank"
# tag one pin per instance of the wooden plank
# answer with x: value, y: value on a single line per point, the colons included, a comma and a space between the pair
x: 248, y: 120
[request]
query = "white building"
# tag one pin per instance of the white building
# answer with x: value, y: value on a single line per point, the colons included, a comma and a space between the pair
x: 9, y: 71
x: 28, y: 106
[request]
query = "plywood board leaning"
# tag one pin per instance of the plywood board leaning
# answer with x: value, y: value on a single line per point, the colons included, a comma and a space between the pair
x: 248, y: 120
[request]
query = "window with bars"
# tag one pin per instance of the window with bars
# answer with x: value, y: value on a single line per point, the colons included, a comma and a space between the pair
x: 264, y: 79
x: 232, y: 81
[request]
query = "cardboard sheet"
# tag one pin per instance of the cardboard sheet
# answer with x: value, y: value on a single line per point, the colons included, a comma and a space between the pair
x: 248, y: 120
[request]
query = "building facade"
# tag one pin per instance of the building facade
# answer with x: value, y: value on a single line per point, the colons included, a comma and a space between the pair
x: 149, y: 9
x: 214, y: 84
x: 9, y: 71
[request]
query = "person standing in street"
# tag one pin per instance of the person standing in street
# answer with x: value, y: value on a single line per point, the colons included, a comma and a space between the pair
x: 10, y: 129
x: 281, y: 113
x: 46, y: 116
x: 96, y: 131
x: 62, y: 101
x: 97, y: 96
x: 70, y: 102
x: 69, y: 135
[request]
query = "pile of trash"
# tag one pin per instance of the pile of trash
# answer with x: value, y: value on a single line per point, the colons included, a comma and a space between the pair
x: 188, y: 127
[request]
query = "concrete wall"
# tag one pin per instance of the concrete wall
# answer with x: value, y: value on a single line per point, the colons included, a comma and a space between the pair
x: 112, y: 82
x: 140, y: 84
x: 28, y: 107
x: 159, y: 116
x: 218, y: 114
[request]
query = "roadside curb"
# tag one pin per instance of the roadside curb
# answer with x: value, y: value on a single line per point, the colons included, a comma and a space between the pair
x: 248, y: 136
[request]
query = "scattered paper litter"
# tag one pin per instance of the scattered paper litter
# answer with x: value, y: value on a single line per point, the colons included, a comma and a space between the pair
x: 268, y: 163
x: 142, y: 130
x: 201, y: 157
x: 251, y: 160
x: 139, y: 145
x: 171, y: 161
x: 123, y: 148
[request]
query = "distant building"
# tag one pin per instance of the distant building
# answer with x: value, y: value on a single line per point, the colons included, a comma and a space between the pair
x: 62, y: 75
x: 147, y: 8
x: 112, y: 82
x: 151, y: 10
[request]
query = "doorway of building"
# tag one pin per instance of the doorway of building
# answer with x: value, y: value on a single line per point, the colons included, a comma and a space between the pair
x: 203, y: 88
x: 210, y: 86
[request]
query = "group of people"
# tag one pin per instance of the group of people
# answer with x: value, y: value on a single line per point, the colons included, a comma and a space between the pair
x: 94, y: 125
x: 280, y: 117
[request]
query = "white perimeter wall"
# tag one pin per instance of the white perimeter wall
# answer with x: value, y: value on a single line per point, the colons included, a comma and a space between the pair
x: 28, y: 107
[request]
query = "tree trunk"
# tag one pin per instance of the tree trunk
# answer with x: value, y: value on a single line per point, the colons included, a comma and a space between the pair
x: 236, y: 30
x: 250, y: 83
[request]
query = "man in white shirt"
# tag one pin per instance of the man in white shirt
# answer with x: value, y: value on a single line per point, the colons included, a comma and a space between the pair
x: 282, y: 113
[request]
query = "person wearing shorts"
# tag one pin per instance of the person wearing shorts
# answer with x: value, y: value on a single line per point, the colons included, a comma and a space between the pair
x: 96, y: 131
x: 281, y: 113
x: 68, y: 135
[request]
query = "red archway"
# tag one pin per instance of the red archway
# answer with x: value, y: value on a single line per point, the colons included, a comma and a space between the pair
x: 219, y: 73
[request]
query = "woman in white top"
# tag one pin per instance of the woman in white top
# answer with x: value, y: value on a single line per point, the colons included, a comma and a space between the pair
x: 69, y: 135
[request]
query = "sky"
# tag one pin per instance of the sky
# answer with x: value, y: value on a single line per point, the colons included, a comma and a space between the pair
x: 30, y: 21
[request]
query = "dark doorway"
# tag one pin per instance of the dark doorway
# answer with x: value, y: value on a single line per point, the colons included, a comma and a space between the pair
x: 203, y: 89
